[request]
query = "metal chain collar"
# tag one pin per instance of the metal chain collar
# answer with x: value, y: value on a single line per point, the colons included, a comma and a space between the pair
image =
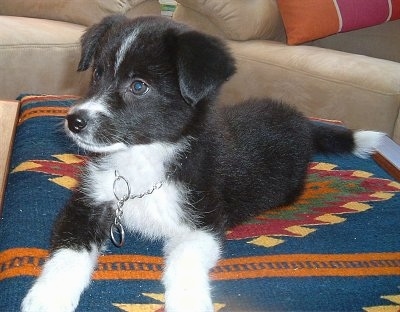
x: 117, y: 226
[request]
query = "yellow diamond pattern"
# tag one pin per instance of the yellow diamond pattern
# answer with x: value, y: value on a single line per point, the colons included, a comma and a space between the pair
x: 153, y: 307
x: 300, y: 230
x: 357, y: 206
x: 361, y: 174
x: 66, y: 182
x: 330, y: 218
x: 324, y: 166
x: 28, y: 165
x: 386, y: 308
x: 68, y: 158
x: 382, y: 195
x: 266, y: 241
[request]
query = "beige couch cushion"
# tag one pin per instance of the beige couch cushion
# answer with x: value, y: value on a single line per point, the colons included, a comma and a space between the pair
x: 39, y: 56
x: 83, y: 12
x: 361, y: 91
x: 259, y: 19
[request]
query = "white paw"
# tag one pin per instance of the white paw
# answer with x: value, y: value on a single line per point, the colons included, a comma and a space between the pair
x: 188, y: 261
x: 193, y: 300
x: 64, y: 277
x: 42, y: 298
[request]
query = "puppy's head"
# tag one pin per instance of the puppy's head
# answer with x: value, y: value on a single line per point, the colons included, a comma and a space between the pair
x: 152, y: 78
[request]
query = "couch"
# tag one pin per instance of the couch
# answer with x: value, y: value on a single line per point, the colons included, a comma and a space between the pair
x: 351, y: 76
x: 39, y: 42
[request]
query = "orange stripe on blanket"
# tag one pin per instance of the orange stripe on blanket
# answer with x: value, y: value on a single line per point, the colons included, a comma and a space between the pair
x: 302, y: 265
x: 21, y: 262
x: 129, y: 267
x: 53, y: 111
x: 27, y: 262
x: 45, y: 98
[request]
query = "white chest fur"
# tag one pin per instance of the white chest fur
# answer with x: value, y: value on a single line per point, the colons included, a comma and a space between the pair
x: 159, y: 214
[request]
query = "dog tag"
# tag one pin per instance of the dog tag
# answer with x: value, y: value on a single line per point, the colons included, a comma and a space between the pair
x: 117, y: 234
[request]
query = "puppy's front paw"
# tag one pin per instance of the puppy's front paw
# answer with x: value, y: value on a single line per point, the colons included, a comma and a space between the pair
x: 195, y: 300
x: 42, y: 298
x: 63, y: 279
x: 188, y: 261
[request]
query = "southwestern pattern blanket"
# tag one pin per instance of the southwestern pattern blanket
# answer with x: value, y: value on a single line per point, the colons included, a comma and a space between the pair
x: 336, y: 249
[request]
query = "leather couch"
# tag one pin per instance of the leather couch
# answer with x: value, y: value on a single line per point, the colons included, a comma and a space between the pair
x: 353, y: 77
x: 40, y: 42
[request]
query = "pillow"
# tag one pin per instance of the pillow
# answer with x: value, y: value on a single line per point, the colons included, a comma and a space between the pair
x: 308, y: 20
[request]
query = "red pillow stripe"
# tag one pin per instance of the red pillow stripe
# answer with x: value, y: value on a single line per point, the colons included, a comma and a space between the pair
x: 395, y: 10
x: 371, y: 12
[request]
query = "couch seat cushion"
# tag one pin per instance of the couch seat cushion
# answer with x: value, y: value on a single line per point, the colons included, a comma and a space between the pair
x: 39, y: 56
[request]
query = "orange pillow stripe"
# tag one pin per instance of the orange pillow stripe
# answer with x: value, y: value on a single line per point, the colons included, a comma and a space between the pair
x: 319, y: 19
x: 308, y: 20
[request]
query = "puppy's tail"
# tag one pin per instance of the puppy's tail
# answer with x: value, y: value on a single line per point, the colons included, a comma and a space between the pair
x: 328, y: 138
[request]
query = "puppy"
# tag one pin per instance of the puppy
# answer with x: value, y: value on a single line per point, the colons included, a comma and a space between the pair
x: 169, y: 164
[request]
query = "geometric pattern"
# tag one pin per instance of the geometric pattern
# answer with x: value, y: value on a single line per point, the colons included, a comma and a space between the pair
x: 394, y: 307
x: 336, y: 248
x: 329, y: 195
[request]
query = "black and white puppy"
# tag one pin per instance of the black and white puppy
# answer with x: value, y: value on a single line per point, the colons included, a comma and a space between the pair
x: 169, y: 164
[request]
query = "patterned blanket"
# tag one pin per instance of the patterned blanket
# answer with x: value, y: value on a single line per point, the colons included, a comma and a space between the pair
x: 336, y: 249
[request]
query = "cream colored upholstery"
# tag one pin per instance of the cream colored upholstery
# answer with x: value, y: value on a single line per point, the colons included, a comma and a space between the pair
x: 353, y: 77
x: 39, y: 42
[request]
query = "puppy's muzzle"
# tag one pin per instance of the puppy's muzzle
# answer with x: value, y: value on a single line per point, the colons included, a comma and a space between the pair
x: 76, y: 122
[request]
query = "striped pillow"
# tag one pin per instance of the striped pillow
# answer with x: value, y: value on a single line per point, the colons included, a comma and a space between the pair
x: 307, y: 20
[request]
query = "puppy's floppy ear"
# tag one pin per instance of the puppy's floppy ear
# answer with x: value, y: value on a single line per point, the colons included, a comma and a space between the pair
x: 90, y: 39
x: 203, y: 63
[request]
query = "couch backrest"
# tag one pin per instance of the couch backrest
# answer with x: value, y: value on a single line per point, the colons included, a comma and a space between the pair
x: 242, y: 20
x: 83, y: 12
x: 234, y: 19
x: 381, y: 41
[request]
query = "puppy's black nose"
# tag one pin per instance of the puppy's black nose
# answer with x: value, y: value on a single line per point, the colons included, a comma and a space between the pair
x: 76, y: 123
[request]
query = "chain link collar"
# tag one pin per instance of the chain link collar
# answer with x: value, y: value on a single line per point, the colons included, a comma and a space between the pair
x: 117, y: 228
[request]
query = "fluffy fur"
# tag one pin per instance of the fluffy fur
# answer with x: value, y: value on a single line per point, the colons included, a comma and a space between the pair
x: 150, y: 115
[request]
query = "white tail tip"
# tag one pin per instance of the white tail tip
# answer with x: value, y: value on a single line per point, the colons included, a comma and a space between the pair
x: 366, y: 142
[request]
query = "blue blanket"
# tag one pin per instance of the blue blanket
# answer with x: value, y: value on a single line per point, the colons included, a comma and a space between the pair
x: 336, y: 249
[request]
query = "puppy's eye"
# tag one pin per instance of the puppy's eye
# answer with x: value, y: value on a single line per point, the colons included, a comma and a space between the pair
x: 97, y: 73
x: 139, y: 87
